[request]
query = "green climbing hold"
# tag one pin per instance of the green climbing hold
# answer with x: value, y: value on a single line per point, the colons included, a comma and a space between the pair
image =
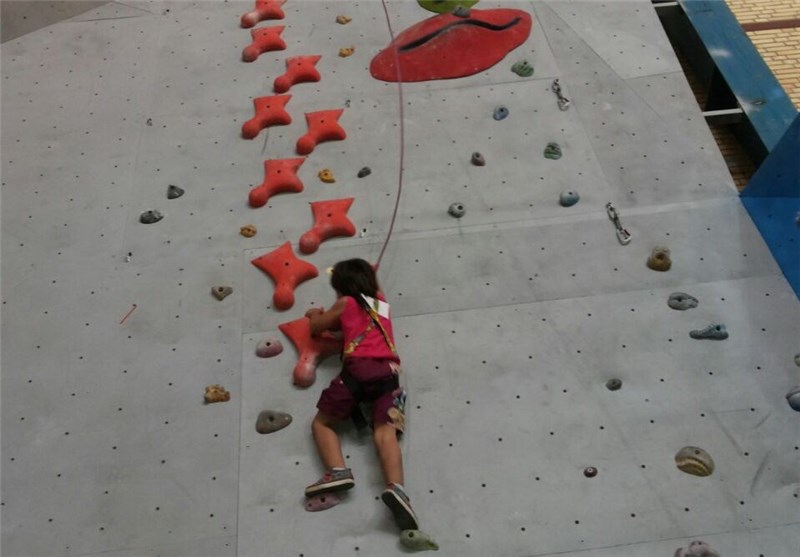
x: 417, y: 540
x: 522, y: 68
x: 445, y: 6
x: 552, y: 151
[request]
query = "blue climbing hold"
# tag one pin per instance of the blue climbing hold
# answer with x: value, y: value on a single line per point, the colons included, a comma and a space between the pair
x: 569, y: 198
x: 500, y: 113
x: 715, y: 331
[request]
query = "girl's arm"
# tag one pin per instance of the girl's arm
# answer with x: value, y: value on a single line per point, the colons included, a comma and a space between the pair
x: 322, y: 321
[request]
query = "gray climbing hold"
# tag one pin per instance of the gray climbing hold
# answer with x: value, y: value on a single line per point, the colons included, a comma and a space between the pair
x: 793, y: 397
x: 456, y: 210
x: 268, y: 348
x: 270, y: 421
x: 500, y: 113
x: 552, y: 151
x: 477, y: 159
x: 221, y: 292
x: 569, y: 198
x: 417, y: 540
x: 461, y: 11
x: 614, y: 384
x: 523, y: 68
x: 174, y: 192
x: 682, y: 301
x: 694, y: 461
x: 150, y: 216
x: 715, y: 331
x: 364, y: 172
x: 696, y: 549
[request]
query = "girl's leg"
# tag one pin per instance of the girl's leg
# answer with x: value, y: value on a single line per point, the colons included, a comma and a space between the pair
x: 327, y: 441
x: 389, y: 454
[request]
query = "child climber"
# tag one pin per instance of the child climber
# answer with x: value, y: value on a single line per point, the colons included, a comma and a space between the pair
x: 370, y: 368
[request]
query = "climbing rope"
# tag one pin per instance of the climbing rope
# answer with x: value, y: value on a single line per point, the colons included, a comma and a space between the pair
x: 402, y: 134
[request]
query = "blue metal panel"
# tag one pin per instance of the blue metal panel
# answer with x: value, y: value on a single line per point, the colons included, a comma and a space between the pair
x: 758, y: 92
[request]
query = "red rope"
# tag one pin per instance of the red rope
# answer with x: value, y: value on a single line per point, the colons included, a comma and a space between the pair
x: 402, y: 135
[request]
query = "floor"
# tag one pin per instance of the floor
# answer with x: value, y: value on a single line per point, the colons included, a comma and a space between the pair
x: 510, y: 320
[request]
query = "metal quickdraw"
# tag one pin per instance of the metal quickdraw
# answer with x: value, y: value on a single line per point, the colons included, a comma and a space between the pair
x: 563, y: 102
x: 623, y: 235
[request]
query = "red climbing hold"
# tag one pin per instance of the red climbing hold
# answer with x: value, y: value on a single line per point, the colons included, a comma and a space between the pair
x: 280, y: 176
x: 286, y: 271
x: 448, y: 46
x: 322, y: 126
x: 270, y: 111
x: 330, y: 219
x: 265, y: 9
x: 312, y: 349
x: 299, y: 69
x: 264, y: 40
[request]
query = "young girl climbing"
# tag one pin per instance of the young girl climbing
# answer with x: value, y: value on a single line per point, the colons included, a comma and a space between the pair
x: 370, y: 369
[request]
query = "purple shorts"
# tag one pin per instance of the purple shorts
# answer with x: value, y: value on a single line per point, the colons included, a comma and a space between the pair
x: 338, y: 402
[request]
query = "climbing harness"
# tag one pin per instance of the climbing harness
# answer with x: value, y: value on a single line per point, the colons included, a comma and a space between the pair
x: 372, y: 310
x: 623, y: 235
x: 563, y: 102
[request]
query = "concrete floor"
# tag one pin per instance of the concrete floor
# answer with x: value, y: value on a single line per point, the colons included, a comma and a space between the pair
x: 509, y: 320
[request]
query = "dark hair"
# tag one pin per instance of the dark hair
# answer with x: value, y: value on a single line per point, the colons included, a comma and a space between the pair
x: 354, y: 277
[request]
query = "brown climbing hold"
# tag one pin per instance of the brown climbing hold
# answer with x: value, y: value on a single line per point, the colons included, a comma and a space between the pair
x: 344, y: 52
x: 248, y: 230
x: 268, y: 348
x: 477, y: 159
x: 326, y: 176
x: 221, y: 292
x: 216, y: 393
x: 590, y: 472
x: 694, y: 461
x: 659, y: 259
x: 270, y: 422
x: 343, y: 19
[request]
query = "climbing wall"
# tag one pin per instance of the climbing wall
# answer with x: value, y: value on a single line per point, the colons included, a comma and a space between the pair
x: 510, y: 319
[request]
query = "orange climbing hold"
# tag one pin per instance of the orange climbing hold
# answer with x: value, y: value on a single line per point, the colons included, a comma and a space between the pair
x: 299, y: 69
x: 286, y: 271
x: 330, y: 220
x: 280, y: 176
x: 322, y: 126
x: 270, y: 111
x: 265, y: 9
x: 264, y: 40
x: 312, y: 350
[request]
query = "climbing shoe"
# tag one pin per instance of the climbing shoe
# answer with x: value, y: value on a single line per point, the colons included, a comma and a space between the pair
x: 331, y: 482
x: 397, y: 501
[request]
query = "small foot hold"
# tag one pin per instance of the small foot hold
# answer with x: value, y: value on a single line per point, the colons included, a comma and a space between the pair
x: 221, y: 292
x: 569, y: 198
x: 500, y: 113
x: 322, y: 502
x: 552, y: 151
x: 216, y: 393
x: 326, y: 176
x: 793, y: 398
x: 248, y: 230
x: 715, y: 331
x: 456, y: 210
x: 696, y: 549
x: 614, y: 384
x: 659, y: 259
x: 270, y: 421
x: 346, y: 51
x: 343, y: 19
x: 694, y: 461
x: 174, y: 192
x: 590, y: 471
x: 364, y: 172
x: 417, y: 540
x: 682, y: 301
x: 268, y: 348
x: 478, y: 159
x: 523, y: 68
x: 150, y: 216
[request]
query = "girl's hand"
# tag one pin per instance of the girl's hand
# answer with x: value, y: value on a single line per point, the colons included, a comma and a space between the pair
x: 314, y: 311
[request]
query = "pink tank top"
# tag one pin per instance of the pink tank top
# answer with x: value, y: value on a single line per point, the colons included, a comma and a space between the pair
x: 354, y: 321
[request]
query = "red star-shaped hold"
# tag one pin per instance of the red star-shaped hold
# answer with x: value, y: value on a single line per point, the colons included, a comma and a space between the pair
x: 270, y: 111
x: 280, y: 176
x: 330, y: 219
x: 322, y: 126
x: 299, y: 69
x: 264, y: 40
x: 286, y: 271
x: 265, y: 9
x: 312, y: 349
